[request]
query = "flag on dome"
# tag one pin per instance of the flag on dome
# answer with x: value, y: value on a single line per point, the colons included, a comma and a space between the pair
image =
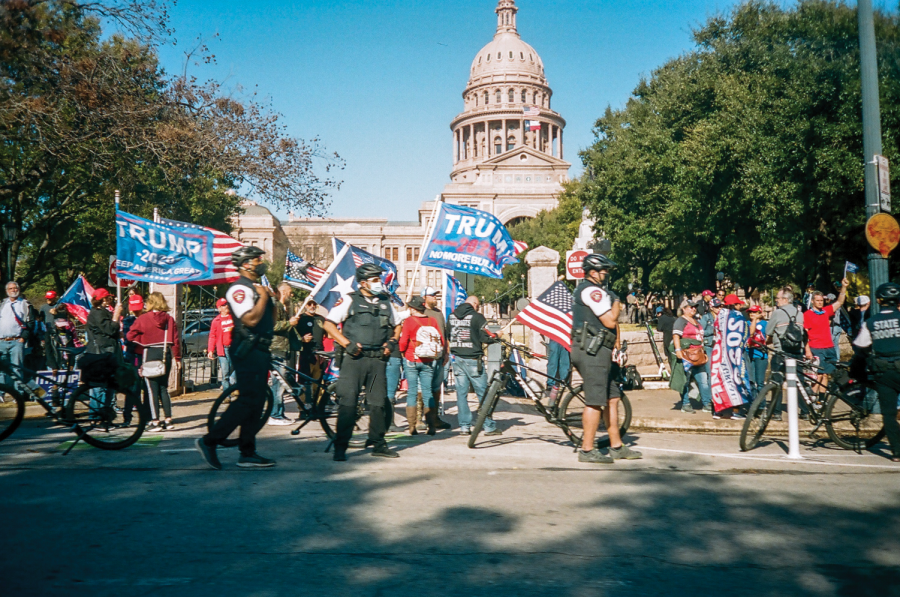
x: 531, y: 111
x: 300, y: 272
x: 532, y: 125
x: 223, y: 247
x: 551, y: 315
x: 78, y: 298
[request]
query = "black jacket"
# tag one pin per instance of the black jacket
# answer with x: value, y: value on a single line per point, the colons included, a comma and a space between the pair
x: 479, y: 335
x: 102, y: 332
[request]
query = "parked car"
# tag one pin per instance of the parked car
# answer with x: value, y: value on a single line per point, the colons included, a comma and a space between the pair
x: 195, y: 336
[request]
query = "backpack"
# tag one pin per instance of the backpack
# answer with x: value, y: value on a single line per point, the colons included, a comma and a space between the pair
x: 792, y: 337
x: 428, y: 342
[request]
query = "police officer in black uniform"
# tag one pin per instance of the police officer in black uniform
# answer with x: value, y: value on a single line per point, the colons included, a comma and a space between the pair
x: 595, y: 314
x: 254, y: 324
x: 879, y: 344
x: 371, y: 330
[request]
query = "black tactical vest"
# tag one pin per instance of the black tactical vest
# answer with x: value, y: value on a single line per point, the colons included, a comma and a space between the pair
x: 265, y: 329
x: 582, y: 314
x: 368, y: 323
x: 885, y: 330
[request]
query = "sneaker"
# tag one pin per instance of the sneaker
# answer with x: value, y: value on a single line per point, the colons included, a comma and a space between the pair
x: 168, y: 426
x: 255, y: 461
x: 208, y: 453
x: 687, y: 408
x: 153, y: 427
x: 279, y: 421
x: 738, y: 416
x: 804, y: 416
x: 465, y: 431
x: 776, y: 416
x: 623, y: 452
x: 339, y: 455
x: 384, y: 451
x: 439, y: 424
x: 594, y: 456
x: 716, y: 416
x: 707, y: 409
x: 493, y: 432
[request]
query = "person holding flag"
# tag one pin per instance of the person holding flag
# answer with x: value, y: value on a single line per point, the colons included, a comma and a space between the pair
x: 370, y: 332
x: 253, y: 315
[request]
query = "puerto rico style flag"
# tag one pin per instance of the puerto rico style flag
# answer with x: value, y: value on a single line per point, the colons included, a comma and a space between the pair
x: 78, y: 298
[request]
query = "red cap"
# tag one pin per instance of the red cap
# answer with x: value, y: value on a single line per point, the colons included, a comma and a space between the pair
x: 100, y: 293
x: 732, y: 299
x: 754, y: 309
x: 221, y: 302
x: 50, y: 295
x: 707, y: 293
x: 136, y: 303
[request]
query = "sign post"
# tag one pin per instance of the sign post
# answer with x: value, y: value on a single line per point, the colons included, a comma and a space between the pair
x: 790, y: 366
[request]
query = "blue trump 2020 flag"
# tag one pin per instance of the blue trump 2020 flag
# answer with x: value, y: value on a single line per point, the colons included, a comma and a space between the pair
x: 469, y: 240
x: 338, y: 281
x: 164, y: 253
x: 454, y: 294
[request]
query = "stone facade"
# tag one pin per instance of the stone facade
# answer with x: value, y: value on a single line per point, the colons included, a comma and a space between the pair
x: 507, y: 152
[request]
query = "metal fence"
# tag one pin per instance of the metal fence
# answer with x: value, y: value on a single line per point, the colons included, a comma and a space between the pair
x: 198, y: 309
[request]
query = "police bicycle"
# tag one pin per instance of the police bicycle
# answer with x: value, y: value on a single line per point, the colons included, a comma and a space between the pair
x: 90, y: 410
x: 846, y: 410
x: 314, y: 398
x: 566, y: 416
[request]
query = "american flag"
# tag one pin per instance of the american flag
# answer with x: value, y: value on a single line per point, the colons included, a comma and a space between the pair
x: 223, y: 247
x: 531, y: 111
x: 520, y: 246
x: 299, y: 271
x: 551, y: 315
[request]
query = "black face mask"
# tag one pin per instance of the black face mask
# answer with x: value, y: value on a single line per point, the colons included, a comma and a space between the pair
x: 261, y: 269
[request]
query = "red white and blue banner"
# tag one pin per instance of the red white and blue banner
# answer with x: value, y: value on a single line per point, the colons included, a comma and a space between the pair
x: 454, y: 294
x: 730, y: 383
x: 469, y: 240
x: 223, y: 246
x: 77, y: 298
x: 164, y: 253
x: 390, y: 277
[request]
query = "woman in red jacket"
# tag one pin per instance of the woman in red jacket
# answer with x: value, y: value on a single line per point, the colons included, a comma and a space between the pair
x: 422, y: 344
x: 157, y: 336
x: 219, y: 340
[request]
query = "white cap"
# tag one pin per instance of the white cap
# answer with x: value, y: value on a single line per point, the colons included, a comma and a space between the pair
x: 429, y: 291
x: 862, y: 300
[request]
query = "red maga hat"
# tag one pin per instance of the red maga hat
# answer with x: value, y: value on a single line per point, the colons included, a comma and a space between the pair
x: 707, y: 293
x: 50, y: 295
x: 221, y: 302
x: 100, y: 293
x: 732, y: 299
x: 136, y: 303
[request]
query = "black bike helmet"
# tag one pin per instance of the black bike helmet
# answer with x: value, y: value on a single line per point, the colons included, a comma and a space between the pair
x: 597, y: 261
x: 244, y: 254
x: 888, y: 293
x: 368, y: 270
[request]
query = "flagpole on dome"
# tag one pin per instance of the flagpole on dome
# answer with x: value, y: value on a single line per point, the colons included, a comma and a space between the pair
x: 438, y: 201
x: 118, y: 281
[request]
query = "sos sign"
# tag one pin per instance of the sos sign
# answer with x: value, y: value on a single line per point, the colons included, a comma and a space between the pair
x: 573, y: 264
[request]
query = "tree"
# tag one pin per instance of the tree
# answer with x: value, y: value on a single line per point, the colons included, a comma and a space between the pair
x: 745, y: 155
x: 82, y: 116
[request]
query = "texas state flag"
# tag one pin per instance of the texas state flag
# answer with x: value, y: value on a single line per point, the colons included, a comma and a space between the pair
x: 78, y: 298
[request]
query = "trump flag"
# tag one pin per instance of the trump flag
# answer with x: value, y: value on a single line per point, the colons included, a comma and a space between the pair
x: 164, y: 253
x: 469, y: 240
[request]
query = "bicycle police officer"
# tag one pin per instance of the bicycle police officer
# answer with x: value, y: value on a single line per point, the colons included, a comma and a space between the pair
x: 595, y: 313
x: 879, y: 344
x: 371, y: 330
x: 254, y: 325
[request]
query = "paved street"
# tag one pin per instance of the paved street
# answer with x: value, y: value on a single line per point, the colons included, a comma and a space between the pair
x: 516, y: 516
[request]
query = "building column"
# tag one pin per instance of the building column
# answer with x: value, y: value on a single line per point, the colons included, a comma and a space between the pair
x: 472, y: 139
x: 522, y: 132
x: 455, y: 147
x: 487, y: 139
x: 561, y: 144
x: 503, y: 137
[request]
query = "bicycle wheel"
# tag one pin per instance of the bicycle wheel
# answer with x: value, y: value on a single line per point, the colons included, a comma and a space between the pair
x: 12, y: 411
x: 225, y: 400
x: 759, y: 415
x: 325, y: 409
x: 94, y: 413
x: 571, y: 408
x: 491, y: 397
x: 848, y: 423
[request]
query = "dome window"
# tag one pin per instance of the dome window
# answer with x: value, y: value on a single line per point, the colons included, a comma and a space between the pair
x: 488, y: 57
x: 479, y: 60
x: 521, y: 55
x: 512, y: 96
x: 499, y: 97
x: 510, y: 55
x: 530, y: 57
x: 523, y: 96
x: 499, y: 56
x: 486, y: 98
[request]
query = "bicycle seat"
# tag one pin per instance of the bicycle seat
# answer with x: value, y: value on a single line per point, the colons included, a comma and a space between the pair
x: 74, y: 351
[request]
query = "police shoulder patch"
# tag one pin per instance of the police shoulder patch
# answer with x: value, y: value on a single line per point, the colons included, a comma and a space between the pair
x: 596, y: 295
x: 339, y: 301
x: 239, y: 295
x: 383, y: 306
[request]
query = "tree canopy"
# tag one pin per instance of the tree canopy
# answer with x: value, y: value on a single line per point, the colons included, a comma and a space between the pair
x: 745, y: 155
x: 84, y: 112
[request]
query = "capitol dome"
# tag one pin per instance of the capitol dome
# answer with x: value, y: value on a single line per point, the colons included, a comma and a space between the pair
x: 507, y: 54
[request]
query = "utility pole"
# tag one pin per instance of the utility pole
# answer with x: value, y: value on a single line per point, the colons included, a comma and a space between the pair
x: 871, y: 116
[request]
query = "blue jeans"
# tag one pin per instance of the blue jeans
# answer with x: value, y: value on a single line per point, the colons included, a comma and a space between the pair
x: 757, y: 371
x: 278, y: 398
x: 226, y: 375
x: 466, y: 373
x: 392, y: 375
x: 419, y: 376
x: 437, y: 380
x: 558, y: 363
x: 699, y: 375
x: 12, y: 353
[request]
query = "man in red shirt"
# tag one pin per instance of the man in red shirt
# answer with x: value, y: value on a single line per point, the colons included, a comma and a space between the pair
x: 817, y: 323
x: 219, y: 341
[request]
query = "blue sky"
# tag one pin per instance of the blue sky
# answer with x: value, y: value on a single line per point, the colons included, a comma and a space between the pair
x: 379, y: 82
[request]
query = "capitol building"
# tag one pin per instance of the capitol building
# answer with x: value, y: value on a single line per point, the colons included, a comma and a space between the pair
x: 507, y: 155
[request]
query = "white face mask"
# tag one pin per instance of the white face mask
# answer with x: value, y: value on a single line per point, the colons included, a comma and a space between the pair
x: 377, y: 288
